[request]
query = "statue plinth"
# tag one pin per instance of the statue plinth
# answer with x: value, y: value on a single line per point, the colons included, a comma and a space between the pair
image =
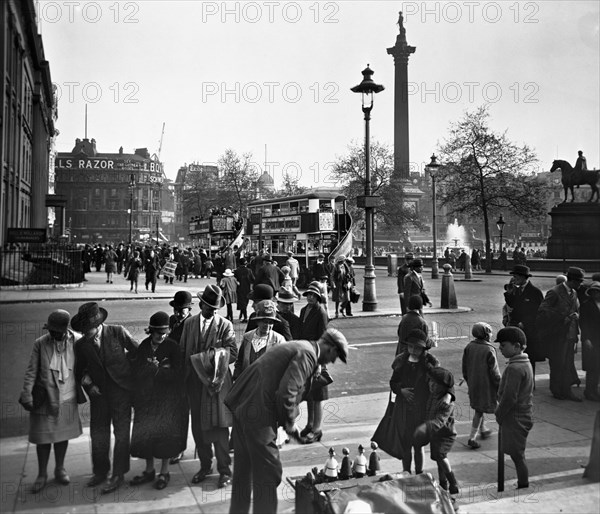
x: 575, y: 231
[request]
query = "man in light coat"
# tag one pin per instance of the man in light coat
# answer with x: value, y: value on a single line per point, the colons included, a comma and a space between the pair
x: 558, y: 325
x: 202, y: 337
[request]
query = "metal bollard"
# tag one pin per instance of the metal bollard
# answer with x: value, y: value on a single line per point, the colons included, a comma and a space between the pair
x: 448, y: 300
x: 468, y: 270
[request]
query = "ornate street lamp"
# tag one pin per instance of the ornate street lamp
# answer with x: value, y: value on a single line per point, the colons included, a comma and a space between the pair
x: 500, y: 224
x: 367, y: 88
x: 131, y: 187
x: 432, y: 169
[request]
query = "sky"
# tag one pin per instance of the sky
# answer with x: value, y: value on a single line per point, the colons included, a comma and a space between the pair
x: 273, y: 78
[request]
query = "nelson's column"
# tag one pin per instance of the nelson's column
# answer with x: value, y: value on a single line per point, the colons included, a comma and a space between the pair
x: 401, y: 52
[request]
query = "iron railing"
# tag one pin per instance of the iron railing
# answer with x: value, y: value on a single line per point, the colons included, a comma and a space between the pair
x: 38, y: 264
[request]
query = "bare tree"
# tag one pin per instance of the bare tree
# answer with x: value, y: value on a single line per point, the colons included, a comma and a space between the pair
x: 238, y: 180
x: 291, y: 187
x: 349, y: 171
x: 483, y: 172
x: 200, y: 192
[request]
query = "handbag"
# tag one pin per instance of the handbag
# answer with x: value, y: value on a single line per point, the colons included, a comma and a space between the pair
x: 386, y: 435
x: 354, y: 295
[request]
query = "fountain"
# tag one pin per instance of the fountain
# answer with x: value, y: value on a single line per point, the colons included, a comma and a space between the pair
x: 456, y: 234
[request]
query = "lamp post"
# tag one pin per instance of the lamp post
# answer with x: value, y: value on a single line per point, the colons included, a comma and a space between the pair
x: 500, y: 224
x: 432, y: 169
x: 131, y: 186
x: 367, y: 88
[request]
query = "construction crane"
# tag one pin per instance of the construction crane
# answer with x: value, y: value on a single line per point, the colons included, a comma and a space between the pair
x: 161, y: 141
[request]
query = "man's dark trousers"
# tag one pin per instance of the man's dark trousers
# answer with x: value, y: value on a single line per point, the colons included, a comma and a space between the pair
x: 114, y: 405
x: 256, y: 462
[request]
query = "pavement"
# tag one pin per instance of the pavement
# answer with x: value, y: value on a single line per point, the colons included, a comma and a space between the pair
x: 558, y: 445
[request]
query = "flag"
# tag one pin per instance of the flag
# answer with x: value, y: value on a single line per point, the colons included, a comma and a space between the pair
x: 343, y: 248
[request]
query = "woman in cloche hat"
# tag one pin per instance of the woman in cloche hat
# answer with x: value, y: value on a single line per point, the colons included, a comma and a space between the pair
x: 51, y: 394
x: 161, y: 417
x: 314, y: 323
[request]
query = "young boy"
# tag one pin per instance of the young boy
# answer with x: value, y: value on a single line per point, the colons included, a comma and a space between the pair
x: 438, y: 429
x: 515, y: 400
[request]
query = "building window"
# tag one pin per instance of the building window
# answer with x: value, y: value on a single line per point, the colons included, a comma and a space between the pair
x: 97, y: 192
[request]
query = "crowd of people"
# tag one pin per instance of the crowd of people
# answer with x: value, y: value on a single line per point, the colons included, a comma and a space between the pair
x: 243, y: 396
x: 149, y: 391
x: 536, y: 327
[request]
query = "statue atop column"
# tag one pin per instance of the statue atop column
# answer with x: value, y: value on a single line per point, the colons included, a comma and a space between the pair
x: 401, y: 28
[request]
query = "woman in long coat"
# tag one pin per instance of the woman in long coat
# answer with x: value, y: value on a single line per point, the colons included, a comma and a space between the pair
x: 245, y: 278
x: 160, y: 422
x: 51, y: 394
x: 340, y: 292
x: 314, y: 322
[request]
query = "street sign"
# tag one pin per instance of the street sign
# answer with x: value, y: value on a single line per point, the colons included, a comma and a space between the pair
x: 26, y: 235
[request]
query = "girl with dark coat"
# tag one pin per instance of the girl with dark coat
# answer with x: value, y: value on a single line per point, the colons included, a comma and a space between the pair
x: 160, y: 422
x: 409, y: 382
x: 438, y: 429
x: 480, y: 371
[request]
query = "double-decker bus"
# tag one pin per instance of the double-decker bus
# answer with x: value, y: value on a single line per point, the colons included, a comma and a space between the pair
x: 307, y: 224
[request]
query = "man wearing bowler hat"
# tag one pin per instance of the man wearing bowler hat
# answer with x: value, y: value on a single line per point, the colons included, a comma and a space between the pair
x: 102, y: 368
x: 203, y: 336
x: 413, y: 282
x: 182, y: 310
x: 523, y: 300
x: 558, y: 327
x: 265, y: 396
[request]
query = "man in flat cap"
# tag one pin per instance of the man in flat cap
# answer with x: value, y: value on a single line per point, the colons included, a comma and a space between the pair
x: 265, y: 396
x: 102, y: 368
x: 558, y: 325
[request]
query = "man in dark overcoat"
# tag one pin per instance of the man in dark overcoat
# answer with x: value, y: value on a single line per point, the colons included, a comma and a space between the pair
x: 558, y: 327
x: 264, y: 397
x: 102, y: 368
x: 269, y: 274
x: 524, y: 299
x: 413, y: 282
x: 401, y: 272
x: 202, y: 335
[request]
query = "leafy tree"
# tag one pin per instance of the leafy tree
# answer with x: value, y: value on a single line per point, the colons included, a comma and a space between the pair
x: 349, y: 171
x: 483, y: 173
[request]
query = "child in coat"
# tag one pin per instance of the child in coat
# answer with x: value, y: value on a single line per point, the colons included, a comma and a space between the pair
x: 515, y: 400
x: 438, y: 429
x: 409, y: 382
x: 480, y: 371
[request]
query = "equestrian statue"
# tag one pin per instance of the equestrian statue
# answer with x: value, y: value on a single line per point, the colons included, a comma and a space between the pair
x: 575, y: 177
